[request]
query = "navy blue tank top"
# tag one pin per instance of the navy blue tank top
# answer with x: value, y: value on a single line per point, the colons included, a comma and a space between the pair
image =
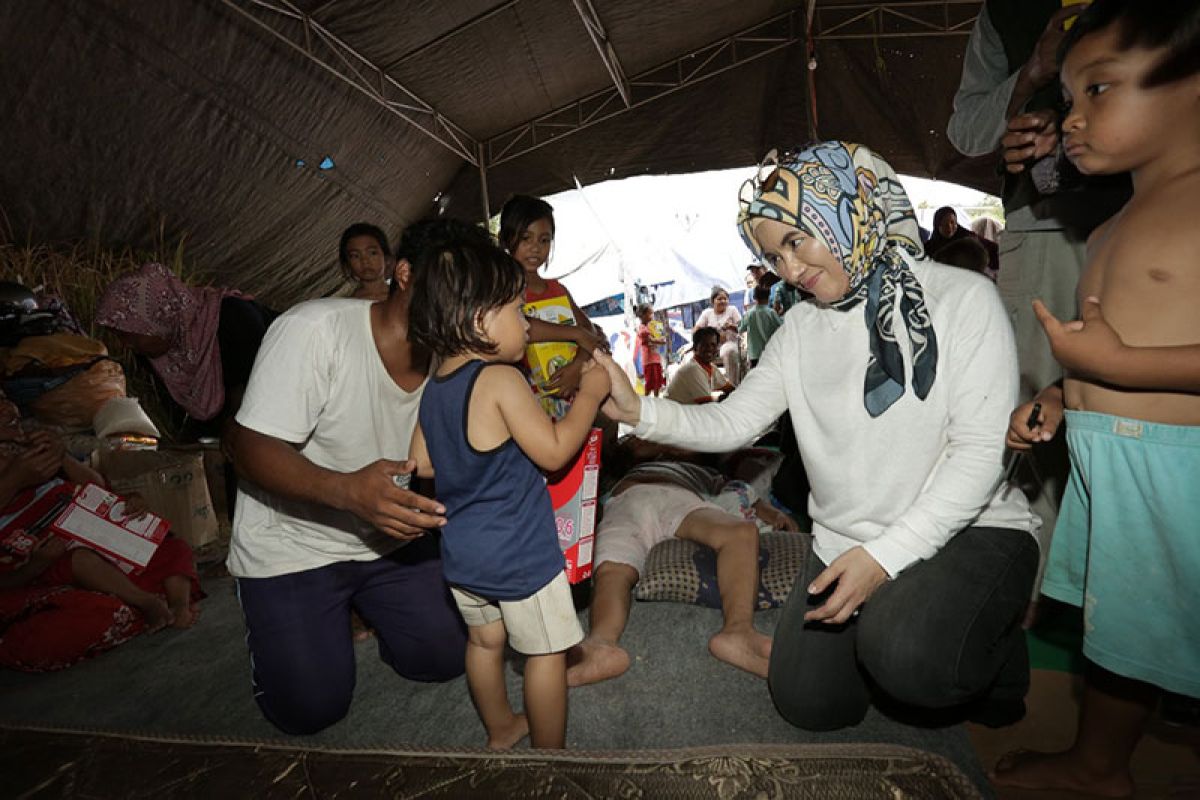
x: 500, y: 539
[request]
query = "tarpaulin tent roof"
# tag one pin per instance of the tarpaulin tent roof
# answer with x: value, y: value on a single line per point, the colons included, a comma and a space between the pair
x: 262, y: 127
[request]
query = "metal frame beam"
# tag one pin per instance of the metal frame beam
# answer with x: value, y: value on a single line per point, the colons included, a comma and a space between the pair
x: 604, y: 47
x: 895, y: 20
x: 687, y: 70
x: 290, y: 25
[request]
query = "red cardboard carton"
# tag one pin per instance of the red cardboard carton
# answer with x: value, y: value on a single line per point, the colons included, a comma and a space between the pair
x: 573, y: 495
x: 96, y: 517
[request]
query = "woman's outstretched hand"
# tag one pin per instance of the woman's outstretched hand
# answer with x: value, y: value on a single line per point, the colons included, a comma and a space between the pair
x: 857, y: 575
x: 623, y: 403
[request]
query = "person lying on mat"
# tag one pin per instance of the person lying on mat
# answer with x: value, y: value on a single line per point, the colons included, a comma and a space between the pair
x: 34, y: 466
x: 323, y: 526
x: 652, y: 503
x: 923, y: 562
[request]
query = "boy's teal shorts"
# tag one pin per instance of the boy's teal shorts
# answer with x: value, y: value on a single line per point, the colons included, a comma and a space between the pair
x: 1127, y: 547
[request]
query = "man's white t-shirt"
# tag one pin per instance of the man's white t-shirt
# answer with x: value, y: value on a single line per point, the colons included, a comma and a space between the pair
x: 692, y: 383
x: 318, y: 382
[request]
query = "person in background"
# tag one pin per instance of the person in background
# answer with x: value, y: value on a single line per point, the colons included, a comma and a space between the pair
x: 759, y: 324
x: 200, y: 341
x: 652, y: 360
x: 527, y: 234
x: 987, y: 228
x: 485, y: 437
x: 652, y: 503
x: 900, y: 374
x: 762, y: 276
x: 33, y: 465
x: 964, y: 252
x: 947, y: 230
x: 699, y: 379
x: 1125, y: 548
x: 724, y: 317
x: 366, y: 260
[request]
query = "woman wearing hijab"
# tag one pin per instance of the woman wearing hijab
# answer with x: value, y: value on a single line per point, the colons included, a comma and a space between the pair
x: 946, y: 231
x: 899, y: 374
x: 201, y: 341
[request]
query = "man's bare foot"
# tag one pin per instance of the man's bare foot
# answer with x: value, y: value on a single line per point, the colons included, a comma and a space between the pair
x: 509, y: 735
x: 595, y: 660
x: 156, y: 613
x: 745, y: 649
x: 1025, y: 769
x: 184, y: 615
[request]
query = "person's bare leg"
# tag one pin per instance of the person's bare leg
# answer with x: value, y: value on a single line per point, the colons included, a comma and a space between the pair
x: 92, y: 572
x: 1112, y: 717
x: 179, y: 600
x: 736, y: 544
x: 546, y: 700
x: 598, y: 657
x: 485, y: 678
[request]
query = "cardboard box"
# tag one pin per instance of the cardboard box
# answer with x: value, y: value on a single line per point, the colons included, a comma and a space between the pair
x: 546, y: 358
x: 573, y: 495
x: 27, y: 526
x: 173, y: 485
x: 96, y: 518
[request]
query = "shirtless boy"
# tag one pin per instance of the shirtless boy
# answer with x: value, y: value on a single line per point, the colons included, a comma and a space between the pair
x: 1125, y: 547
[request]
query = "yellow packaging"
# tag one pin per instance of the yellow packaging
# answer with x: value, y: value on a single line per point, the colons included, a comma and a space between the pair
x: 546, y: 358
x: 1071, y: 20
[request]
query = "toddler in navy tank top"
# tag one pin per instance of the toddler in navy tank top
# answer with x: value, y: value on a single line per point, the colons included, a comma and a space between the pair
x: 485, y: 439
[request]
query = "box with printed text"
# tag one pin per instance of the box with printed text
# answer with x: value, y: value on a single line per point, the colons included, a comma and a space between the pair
x: 573, y: 494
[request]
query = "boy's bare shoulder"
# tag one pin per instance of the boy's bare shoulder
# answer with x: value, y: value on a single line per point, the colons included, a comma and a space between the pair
x: 498, y: 377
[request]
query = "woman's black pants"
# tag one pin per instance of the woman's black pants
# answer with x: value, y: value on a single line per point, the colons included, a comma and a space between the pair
x: 944, y: 635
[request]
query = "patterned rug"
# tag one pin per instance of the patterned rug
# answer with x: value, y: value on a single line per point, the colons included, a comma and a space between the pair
x: 55, y: 764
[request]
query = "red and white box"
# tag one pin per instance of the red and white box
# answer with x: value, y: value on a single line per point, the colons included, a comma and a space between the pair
x: 573, y: 493
x: 96, y: 518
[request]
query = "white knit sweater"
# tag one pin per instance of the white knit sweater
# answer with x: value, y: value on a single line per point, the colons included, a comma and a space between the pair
x: 905, y: 482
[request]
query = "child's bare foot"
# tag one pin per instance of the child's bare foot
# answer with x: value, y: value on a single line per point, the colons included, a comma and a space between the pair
x: 156, y: 613
x: 184, y: 615
x: 744, y: 648
x: 1025, y: 769
x: 595, y: 660
x: 507, y: 736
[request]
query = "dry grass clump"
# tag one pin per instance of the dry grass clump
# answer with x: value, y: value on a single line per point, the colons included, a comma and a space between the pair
x: 78, y: 275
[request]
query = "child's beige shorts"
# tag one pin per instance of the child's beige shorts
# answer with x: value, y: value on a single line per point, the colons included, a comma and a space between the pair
x: 544, y: 622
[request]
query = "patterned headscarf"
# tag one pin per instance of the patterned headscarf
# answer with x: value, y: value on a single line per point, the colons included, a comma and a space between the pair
x: 849, y: 198
x: 153, y: 301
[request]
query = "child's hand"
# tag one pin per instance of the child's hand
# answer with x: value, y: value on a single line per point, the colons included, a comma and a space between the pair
x: 774, y: 517
x: 1021, y: 436
x: 1030, y: 136
x: 1087, y: 347
x: 135, y: 506
x: 566, y: 379
x: 594, y: 382
x: 40, y: 461
x: 51, y: 550
x: 591, y: 340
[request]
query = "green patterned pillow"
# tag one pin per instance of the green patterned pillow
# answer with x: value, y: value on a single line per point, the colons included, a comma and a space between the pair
x: 680, y: 571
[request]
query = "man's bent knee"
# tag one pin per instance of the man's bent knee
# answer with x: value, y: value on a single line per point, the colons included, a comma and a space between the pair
x: 304, y: 715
